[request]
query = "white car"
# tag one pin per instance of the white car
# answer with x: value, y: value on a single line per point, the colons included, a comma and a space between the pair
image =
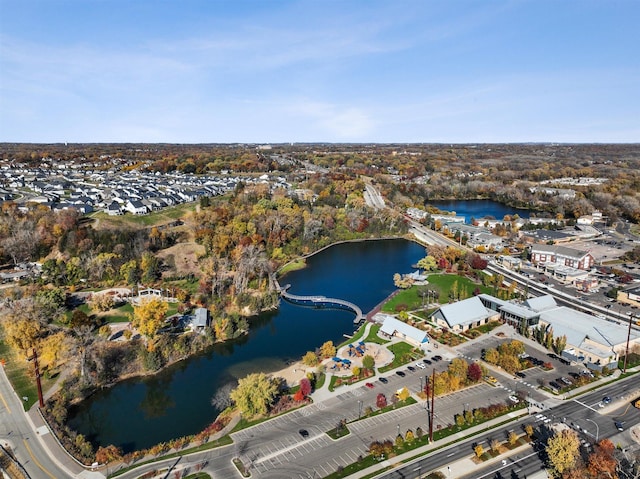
x: 513, y: 399
x: 420, y: 365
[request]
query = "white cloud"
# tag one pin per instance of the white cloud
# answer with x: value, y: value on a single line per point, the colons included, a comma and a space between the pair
x: 343, y: 122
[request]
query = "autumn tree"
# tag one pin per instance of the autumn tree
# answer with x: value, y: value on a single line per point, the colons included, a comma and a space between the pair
x: 428, y: 263
x: 479, y: 450
x: 474, y: 372
x: 458, y: 368
x: 495, y: 445
x: 601, y: 462
x: 149, y: 315
x: 310, y: 359
x: 491, y: 356
x: 108, y: 454
x: 101, y: 302
x: 54, y: 350
x: 562, y: 450
x: 381, y: 401
x: 368, y: 362
x: 404, y: 394
x: 305, y: 386
x: 328, y: 350
x: 254, y: 394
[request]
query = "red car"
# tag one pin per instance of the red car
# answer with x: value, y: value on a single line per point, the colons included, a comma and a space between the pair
x: 369, y: 385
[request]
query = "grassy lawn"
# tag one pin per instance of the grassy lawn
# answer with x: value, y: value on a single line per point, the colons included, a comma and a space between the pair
x: 403, y: 354
x: 155, y: 218
x: 373, y: 336
x: 404, y: 300
x: 198, y: 475
x: 336, y: 433
x: 292, y: 266
x: 356, y: 337
x: 20, y: 374
x: 410, y: 299
x: 633, y: 361
x: 190, y: 285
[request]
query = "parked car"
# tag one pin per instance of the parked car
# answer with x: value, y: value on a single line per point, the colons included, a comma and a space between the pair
x: 384, y: 380
x: 491, y: 379
x: 411, y: 368
x: 521, y: 374
x: 369, y: 385
x: 304, y: 433
x: 420, y: 365
x: 437, y: 357
x: 426, y: 361
x: 514, y: 399
x: 606, y: 400
x: 401, y: 373
x: 619, y: 426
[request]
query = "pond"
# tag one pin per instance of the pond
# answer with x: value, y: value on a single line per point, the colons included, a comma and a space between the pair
x: 138, y: 413
x: 478, y: 209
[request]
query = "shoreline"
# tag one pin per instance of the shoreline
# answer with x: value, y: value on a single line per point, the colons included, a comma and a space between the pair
x: 335, y: 243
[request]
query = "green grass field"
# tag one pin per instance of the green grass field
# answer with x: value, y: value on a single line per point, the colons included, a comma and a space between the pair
x: 21, y: 376
x: 410, y: 299
x: 155, y: 218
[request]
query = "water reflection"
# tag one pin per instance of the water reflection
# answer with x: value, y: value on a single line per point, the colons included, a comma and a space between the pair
x: 157, y: 401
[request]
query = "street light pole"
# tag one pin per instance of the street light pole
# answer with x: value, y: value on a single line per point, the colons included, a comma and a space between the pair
x: 359, y: 408
x: 597, y: 427
x: 626, y: 353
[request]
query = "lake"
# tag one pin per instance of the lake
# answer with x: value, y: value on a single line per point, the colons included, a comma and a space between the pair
x: 138, y: 413
x: 478, y: 208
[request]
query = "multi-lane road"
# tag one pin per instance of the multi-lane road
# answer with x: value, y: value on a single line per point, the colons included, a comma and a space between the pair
x: 583, y: 414
x: 17, y: 433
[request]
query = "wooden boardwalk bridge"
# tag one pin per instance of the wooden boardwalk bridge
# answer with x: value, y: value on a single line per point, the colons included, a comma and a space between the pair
x: 321, y: 302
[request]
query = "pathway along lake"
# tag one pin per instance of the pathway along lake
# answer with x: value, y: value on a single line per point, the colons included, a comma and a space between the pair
x: 138, y: 413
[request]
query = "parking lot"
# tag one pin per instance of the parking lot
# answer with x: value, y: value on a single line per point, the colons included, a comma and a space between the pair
x: 534, y: 377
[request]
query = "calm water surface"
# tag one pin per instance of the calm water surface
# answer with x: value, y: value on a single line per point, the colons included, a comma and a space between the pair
x: 478, y: 209
x: 139, y: 413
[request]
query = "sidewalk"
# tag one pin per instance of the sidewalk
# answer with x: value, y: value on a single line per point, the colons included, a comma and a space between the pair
x: 458, y: 468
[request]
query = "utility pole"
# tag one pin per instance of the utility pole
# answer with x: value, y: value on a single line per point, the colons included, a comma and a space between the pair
x: 626, y: 353
x: 433, y: 396
x: 37, y: 373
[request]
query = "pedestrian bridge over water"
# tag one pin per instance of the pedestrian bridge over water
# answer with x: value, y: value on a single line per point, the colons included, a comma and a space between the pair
x: 321, y: 302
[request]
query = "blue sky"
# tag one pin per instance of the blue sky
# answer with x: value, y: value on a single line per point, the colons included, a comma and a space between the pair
x: 193, y: 71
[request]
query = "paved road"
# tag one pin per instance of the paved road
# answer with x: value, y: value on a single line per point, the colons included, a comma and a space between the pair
x: 373, y: 198
x: 583, y: 412
x: 17, y: 432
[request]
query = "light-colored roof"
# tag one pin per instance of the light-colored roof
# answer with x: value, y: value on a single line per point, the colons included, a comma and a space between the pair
x: 492, y: 299
x: 200, y: 318
x: 577, y: 326
x: 541, y: 303
x: 464, y: 312
x: 519, y: 311
x: 392, y: 325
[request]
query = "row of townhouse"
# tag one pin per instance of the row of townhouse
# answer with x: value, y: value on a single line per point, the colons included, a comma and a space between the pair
x: 117, y: 192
